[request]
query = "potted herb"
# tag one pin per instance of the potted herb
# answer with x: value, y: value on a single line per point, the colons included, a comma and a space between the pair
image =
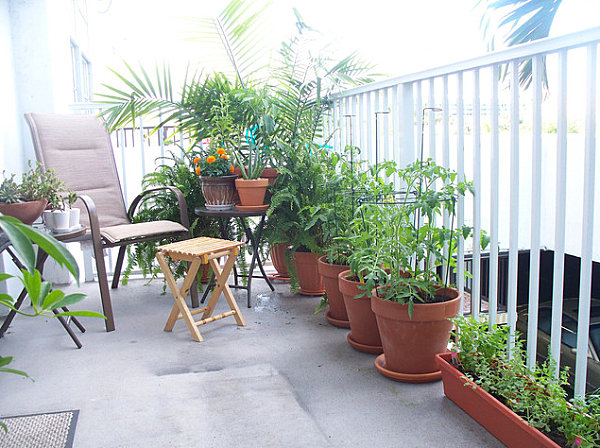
x: 413, y: 301
x: 26, y: 200
x: 520, y: 407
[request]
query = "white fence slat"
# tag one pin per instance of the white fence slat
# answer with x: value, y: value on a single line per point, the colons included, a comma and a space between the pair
x: 385, y: 154
x: 476, y: 267
x: 493, y: 265
x: 362, y: 125
x: 445, y: 153
x: 460, y: 170
x: 370, y: 118
x: 431, y: 120
x: 355, y: 122
x: 536, y: 220
x: 419, y: 119
x: 513, y: 251
x: 583, y: 322
x: 561, y: 196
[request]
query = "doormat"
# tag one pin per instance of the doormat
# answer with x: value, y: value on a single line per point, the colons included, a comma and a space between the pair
x: 50, y: 430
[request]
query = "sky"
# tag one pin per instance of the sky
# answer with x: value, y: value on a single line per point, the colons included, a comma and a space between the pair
x: 398, y: 37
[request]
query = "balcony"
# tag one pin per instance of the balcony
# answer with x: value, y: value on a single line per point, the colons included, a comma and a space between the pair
x: 289, y: 378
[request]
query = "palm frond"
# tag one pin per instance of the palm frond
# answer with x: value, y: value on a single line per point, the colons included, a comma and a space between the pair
x: 238, y: 35
x: 515, y: 22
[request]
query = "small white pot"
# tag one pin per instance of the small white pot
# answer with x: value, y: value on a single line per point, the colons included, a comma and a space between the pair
x: 74, y: 217
x: 61, y: 219
x: 48, y: 219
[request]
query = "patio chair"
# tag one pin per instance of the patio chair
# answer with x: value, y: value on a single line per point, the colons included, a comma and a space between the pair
x: 78, y: 148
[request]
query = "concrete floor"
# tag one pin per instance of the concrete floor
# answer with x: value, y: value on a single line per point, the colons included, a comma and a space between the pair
x: 287, y: 379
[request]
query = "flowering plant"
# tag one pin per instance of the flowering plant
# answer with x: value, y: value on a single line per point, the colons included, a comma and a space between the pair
x: 214, y: 163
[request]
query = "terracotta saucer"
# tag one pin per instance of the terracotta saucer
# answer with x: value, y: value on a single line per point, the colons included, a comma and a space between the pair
x: 252, y: 208
x: 280, y: 277
x: 406, y: 377
x: 336, y: 322
x: 371, y: 349
x: 304, y: 292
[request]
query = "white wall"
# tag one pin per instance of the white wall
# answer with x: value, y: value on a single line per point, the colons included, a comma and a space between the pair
x: 36, y: 75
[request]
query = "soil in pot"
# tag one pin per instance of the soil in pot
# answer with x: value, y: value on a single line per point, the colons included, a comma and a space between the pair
x: 311, y: 283
x: 364, y: 333
x: 410, y: 344
x: 336, y: 315
x: 251, y: 191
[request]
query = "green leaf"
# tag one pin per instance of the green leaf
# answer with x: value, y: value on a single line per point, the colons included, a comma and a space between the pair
x: 22, y: 245
x: 82, y: 314
x: 69, y: 300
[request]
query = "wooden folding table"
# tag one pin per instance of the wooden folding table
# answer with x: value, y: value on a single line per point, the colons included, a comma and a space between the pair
x: 199, y: 251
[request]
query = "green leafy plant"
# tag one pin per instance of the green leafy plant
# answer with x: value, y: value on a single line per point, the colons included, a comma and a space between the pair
x: 36, y: 183
x: 43, y: 298
x: 483, y: 356
x: 411, y: 245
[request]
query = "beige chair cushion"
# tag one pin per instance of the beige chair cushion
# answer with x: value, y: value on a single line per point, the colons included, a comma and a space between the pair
x: 78, y: 149
x: 143, y: 229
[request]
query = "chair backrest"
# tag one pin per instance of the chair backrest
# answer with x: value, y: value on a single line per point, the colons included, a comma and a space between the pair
x: 79, y: 150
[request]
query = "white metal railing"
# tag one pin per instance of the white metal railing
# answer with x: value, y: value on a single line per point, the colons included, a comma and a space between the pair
x: 534, y: 178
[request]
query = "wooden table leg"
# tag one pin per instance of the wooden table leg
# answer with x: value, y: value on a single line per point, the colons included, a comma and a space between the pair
x: 180, y: 307
x: 222, y: 286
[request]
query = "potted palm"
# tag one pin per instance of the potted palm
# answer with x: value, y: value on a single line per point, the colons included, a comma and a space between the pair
x: 413, y: 301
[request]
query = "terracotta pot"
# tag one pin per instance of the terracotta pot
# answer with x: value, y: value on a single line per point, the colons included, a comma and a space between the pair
x: 270, y: 174
x: 490, y: 413
x: 251, y: 191
x: 337, y: 315
x: 311, y: 283
x: 26, y: 212
x: 410, y: 344
x: 364, y: 333
x: 218, y: 191
x: 279, y: 261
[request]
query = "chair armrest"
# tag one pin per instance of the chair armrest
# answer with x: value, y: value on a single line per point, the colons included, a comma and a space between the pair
x: 93, y: 216
x: 183, y: 211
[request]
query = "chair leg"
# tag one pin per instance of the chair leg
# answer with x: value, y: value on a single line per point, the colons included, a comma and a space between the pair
x: 118, y: 266
x: 103, y: 284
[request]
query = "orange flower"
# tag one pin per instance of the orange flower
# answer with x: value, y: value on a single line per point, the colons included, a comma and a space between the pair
x: 231, y: 169
x: 197, y: 160
x: 220, y: 151
x: 198, y: 171
x: 210, y: 159
x: 224, y: 156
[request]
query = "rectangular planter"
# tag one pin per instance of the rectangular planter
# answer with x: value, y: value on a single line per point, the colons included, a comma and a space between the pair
x: 494, y: 416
